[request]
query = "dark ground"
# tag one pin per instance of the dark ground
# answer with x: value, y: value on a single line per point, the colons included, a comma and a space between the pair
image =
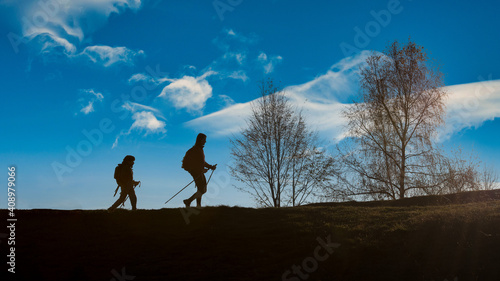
x: 456, y: 237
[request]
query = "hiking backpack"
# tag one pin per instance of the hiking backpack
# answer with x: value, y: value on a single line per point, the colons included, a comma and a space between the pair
x: 118, y: 173
x: 187, y: 161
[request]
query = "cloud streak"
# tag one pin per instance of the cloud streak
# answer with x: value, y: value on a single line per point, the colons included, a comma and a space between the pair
x: 470, y: 105
x: 94, y: 97
x: 268, y: 63
x: 107, y: 56
x: 323, y: 99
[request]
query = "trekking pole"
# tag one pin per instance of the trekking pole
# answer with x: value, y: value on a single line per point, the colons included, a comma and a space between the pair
x: 190, y: 184
x: 182, y: 189
x: 211, y: 174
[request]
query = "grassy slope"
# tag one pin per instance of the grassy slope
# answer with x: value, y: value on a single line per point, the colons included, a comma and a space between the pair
x: 423, y: 239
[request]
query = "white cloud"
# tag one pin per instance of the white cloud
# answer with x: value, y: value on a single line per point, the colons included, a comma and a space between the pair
x: 238, y: 57
x: 107, y: 56
x: 470, y: 105
x: 153, y: 81
x: 97, y: 95
x: 239, y: 75
x: 138, y: 78
x: 323, y: 99
x: 50, y: 42
x: 134, y: 107
x: 89, y: 108
x: 226, y: 100
x: 71, y: 18
x: 61, y: 27
x: 232, y: 38
x: 224, y: 122
x: 94, y: 97
x: 146, y: 120
x: 320, y: 100
x: 190, y: 93
x: 268, y: 63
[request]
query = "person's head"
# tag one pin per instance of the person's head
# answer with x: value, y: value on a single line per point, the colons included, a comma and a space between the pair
x: 129, y: 160
x: 201, y: 139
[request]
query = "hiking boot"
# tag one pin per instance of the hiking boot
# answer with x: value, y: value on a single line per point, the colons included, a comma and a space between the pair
x: 187, y: 203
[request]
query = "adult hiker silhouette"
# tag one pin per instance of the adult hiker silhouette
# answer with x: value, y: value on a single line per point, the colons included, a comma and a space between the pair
x: 194, y: 163
x: 125, y: 179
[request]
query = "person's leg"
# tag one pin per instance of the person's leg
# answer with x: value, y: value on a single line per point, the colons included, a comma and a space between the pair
x: 188, y: 201
x: 201, y: 184
x: 133, y: 199
x: 120, y: 200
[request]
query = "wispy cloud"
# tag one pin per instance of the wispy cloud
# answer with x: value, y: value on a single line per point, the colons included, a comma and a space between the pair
x: 89, y: 108
x: 268, y: 63
x: 107, y: 55
x: 239, y: 75
x: 61, y: 27
x: 135, y: 107
x: 230, y: 39
x: 226, y: 100
x: 90, y: 98
x: 150, y: 80
x: 146, y: 119
x: 234, y: 63
x: 470, y: 105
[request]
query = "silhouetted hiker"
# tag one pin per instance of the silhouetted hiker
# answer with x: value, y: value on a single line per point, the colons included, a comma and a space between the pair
x: 125, y: 179
x: 194, y: 163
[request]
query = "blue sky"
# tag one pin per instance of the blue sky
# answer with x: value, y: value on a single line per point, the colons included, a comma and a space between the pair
x: 87, y: 82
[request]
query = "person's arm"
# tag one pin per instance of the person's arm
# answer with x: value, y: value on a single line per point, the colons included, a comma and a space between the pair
x: 212, y: 167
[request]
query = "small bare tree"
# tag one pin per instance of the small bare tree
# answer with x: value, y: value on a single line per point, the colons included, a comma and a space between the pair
x: 394, y: 122
x: 276, y: 156
x: 461, y: 172
x: 455, y: 173
x: 488, y: 178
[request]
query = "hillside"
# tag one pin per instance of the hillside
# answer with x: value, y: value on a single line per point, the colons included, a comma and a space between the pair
x: 457, y: 240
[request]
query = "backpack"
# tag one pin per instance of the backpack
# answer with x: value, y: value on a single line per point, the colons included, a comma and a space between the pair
x: 187, y: 161
x: 118, y: 173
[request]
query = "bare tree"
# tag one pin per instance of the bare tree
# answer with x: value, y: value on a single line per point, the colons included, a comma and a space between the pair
x: 461, y: 172
x: 276, y: 156
x: 312, y: 169
x: 488, y: 178
x: 394, y: 122
x: 455, y: 173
